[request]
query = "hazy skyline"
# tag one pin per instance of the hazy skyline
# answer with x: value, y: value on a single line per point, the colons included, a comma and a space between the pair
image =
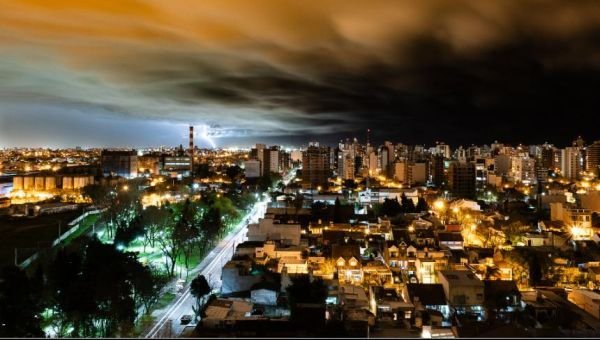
x: 136, y: 73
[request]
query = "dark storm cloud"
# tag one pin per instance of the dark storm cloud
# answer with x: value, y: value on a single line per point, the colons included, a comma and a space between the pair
x: 459, y: 71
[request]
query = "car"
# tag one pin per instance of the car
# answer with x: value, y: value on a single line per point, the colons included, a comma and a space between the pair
x: 179, y: 286
x: 186, y: 319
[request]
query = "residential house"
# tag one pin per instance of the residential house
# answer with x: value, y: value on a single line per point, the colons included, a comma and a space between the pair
x: 265, y: 293
x: 451, y: 240
x: 239, y: 276
x: 464, y: 291
x: 377, y: 273
x: 225, y: 313
x: 269, y: 228
x: 501, y: 297
x: 386, y: 304
x: 427, y: 297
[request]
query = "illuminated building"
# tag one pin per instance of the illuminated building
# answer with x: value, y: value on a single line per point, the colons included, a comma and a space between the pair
x: 523, y: 169
x: 149, y: 164
x: 593, y: 158
x: 571, y: 162
x: 577, y: 221
x: 444, y: 150
x: 178, y: 165
x: 463, y: 290
x: 119, y: 163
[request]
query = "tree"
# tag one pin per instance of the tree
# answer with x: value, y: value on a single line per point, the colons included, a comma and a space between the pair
x: 73, y: 305
x: 188, y: 232
x: 350, y: 184
x: 422, y: 205
x: 107, y: 277
x: 302, y: 291
x: 212, y: 224
x: 199, y: 288
x: 170, y: 244
x: 154, y: 220
x: 233, y: 172
x: 147, y: 286
x: 126, y: 233
x: 202, y: 170
x: 337, y: 211
x: 97, y: 193
x: 20, y: 310
x: 265, y: 183
x: 390, y: 207
x: 408, y: 206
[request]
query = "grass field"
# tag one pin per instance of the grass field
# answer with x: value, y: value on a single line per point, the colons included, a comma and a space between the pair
x: 30, y: 234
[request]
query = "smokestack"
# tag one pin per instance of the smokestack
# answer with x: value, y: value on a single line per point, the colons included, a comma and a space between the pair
x: 191, y: 151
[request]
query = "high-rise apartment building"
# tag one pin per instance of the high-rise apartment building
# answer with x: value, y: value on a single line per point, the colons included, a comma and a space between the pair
x: 315, y: 167
x: 437, y: 170
x: 571, y: 162
x: 523, y: 168
x: 593, y: 158
x: 461, y: 180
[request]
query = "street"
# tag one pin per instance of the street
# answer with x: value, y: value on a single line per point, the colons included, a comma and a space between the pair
x: 210, y: 267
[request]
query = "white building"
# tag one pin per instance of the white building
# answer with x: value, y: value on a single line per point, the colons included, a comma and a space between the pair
x: 252, y: 168
x: 272, y: 229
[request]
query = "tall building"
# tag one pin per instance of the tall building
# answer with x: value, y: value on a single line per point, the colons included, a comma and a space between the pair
x: 523, y: 169
x: 119, y: 163
x: 348, y: 166
x: 444, y: 150
x: 401, y: 171
x: 315, y: 167
x: 502, y: 164
x: 593, y: 158
x: 437, y: 170
x: 571, y: 162
x: 418, y: 173
x: 252, y: 168
x: 547, y: 157
x: 346, y: 157
x: 271, y: 160
x: 461, y: 180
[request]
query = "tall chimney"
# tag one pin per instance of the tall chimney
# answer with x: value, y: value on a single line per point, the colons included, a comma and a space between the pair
x: 191, y: 151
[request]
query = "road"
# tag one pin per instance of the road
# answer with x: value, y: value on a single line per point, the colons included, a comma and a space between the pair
x: 168, y: 325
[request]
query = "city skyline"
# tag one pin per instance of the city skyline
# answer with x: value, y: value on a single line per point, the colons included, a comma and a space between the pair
x: 136, y: 73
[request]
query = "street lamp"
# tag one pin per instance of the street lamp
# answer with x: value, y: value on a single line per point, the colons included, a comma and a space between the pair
x: 439, y: 205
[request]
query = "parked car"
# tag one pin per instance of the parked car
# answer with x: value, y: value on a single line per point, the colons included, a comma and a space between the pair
x: 186, y: 319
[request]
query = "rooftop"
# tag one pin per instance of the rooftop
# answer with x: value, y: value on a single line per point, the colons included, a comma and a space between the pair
x: 461, y: 277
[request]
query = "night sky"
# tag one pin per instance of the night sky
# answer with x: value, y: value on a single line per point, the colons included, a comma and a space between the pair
x: 136, y: 73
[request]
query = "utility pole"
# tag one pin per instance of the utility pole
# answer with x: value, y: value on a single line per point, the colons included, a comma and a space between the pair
x: 16, y: 263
